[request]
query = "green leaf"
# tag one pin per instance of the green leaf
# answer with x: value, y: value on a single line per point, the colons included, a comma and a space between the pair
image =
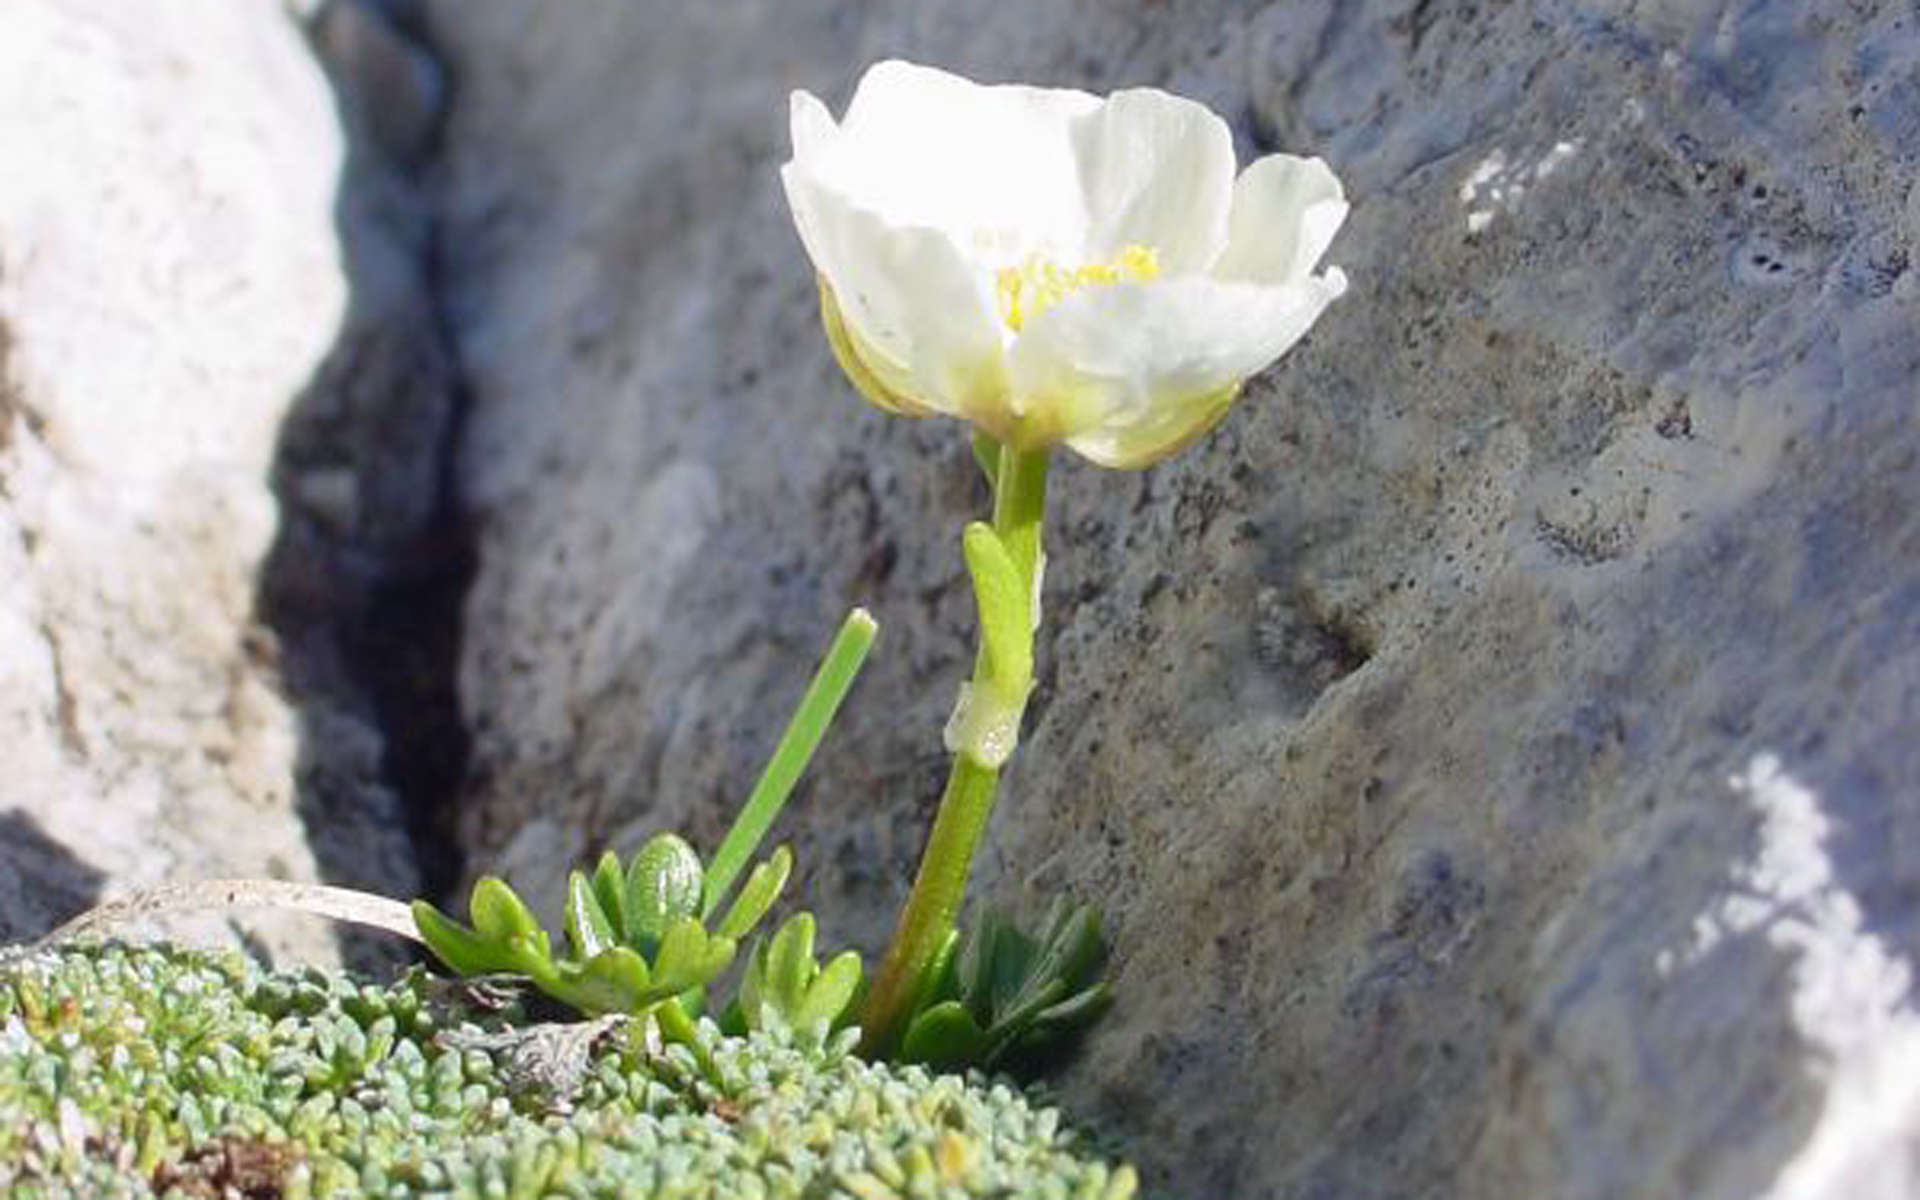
x: 610, y: 888
x: 677, y: 1026
x: 1073, y: 949
x: 783, y: 986
x: 1025, y: 998
x: 945, y: 1037
x: 1078, y: 1010
x: 790, y: 965
x: 1005, y: 598
x: 613, y: 981
x: 663, y: 887
x: 465, y: 952
x: 830, y: 684
x: 831, y: 993
x: 692, y: 1001
x: 499, y: 915
x: 974, y: 966
x: 689, y: 957
x: 750, y: 1000
x: 757, y: 895
x: 588, y: 929
x: 733, y: 1019
x: 1010, y: 981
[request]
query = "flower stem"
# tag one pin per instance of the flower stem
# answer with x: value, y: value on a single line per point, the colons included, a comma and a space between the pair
x: 1019, y: 503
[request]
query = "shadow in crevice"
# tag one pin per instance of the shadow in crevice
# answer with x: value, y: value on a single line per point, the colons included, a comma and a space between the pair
x: 364, y: 584
x: 42, y: 883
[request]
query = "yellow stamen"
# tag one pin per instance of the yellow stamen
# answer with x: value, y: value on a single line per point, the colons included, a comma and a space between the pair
x: 1036, y: 285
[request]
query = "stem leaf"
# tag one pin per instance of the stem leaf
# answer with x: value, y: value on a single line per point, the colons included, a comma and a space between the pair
x: 1006, y: 611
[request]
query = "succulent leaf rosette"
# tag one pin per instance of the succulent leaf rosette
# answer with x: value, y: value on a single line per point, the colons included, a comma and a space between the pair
x: 1052, y: 266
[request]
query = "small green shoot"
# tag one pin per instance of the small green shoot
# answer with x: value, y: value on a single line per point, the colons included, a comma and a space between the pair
x: 784, y: 987
x: 830, y: 685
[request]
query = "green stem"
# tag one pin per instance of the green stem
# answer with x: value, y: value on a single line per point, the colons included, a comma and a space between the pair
x: 1019, y: 504
x: 790, y: 757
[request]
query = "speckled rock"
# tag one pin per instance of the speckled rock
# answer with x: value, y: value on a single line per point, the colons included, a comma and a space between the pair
x: 1493, y: 748
x: 175, y: 286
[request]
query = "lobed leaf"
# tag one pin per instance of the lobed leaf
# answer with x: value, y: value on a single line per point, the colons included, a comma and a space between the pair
x: 831, y: 994
x: 790, y: 965
x: 689, y: 958
x: 762, y: 888
x: 501, y: 917
x: 1021, y: 997
x: 783, y: 986
x: 614, y: 981
x: 464, y: 951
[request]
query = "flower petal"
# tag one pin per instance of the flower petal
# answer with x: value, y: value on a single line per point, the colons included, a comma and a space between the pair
x: 1127, y: 374
x: 1158, y: 171
x: 912, y: 307
x: 885, y: 384
x: 811, y: 126
x: 1285, y: 213
x: 992, y: 165
x: 1161, y: 432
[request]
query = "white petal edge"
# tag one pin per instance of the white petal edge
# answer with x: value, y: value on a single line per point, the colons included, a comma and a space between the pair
x: 1157, y: 170
x: 991, y: 164
x: 910, y: 300
x: 1285, y: 213
x: 1123, y: 373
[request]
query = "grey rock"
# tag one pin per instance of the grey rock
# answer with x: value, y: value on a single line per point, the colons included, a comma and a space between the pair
x: 1493, y: 749
x: 391, y: 80
x: 191, y: 261
x: 171, y: 185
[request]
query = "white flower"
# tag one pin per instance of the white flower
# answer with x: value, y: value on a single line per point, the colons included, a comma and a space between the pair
x: 1050, y: 265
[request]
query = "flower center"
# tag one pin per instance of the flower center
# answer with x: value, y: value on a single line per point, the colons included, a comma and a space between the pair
x: 1038, y: 284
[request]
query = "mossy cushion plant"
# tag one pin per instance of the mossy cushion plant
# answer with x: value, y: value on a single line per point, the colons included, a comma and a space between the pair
x: 161, y: 1071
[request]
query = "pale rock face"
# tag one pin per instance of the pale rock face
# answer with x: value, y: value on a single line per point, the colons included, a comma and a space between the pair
x: 169, y: 280
x: 1394, y: 724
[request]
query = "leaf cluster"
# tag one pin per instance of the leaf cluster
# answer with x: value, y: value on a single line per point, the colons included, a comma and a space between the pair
x: 637, y: 937
x: 996, y: 997
x: 783, y: 988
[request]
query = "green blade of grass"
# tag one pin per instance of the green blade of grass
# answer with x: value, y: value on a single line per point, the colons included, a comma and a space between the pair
x: 809, y: 724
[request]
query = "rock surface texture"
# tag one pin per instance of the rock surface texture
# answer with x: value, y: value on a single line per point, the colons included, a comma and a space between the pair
x: 1494, y: 748
x: 168, y: 279
x: 192, y: 310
